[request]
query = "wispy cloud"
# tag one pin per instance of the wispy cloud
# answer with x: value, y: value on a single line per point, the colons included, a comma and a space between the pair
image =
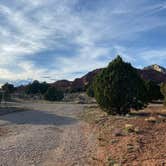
x: 82, y: 35
x: 154, y: 56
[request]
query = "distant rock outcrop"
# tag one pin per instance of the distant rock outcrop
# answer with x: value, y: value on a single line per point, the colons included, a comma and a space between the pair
x: 154, y: 73
x: 157, y: 68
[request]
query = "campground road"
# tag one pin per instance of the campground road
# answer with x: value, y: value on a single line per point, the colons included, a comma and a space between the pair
x: 46, y: 135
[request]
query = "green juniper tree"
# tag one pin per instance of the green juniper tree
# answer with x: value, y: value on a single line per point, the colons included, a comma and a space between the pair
x: 119, y: 87
x: 54, y: 94
x: 163, y: 91
x: 90, y: 90
x: 153, y: 91
x: 8, y: 88
x: 33, y: 88
x: 36, y: 87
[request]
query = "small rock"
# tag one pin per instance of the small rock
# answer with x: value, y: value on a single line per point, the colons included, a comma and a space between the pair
x: 129, y: 128
x: 151, y: 119
x: 128, y: 115
x: 130, y: 148
x: 137, y: 130
x: 114, y: 141
x: 117, y: 133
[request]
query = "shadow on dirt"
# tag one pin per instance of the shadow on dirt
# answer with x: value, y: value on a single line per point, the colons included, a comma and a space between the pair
x: 140, y: 114
x: 162, y: 114
x: 147, y: 114
x: 38, y: 118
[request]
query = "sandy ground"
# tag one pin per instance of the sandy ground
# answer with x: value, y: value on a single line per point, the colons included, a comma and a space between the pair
x: 46, y: 135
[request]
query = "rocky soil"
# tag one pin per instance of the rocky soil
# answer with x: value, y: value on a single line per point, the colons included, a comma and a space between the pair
x: 138, y: 139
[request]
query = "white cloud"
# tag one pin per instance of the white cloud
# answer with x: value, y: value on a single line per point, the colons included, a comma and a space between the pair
x: 33, y: 26
x: 28, y: 71
x: 154, y: 56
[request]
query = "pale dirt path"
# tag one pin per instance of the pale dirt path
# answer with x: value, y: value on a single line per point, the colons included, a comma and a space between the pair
x: 50, y: 135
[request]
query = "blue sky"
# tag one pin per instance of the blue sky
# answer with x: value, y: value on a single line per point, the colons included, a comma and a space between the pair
x: 64, y: 39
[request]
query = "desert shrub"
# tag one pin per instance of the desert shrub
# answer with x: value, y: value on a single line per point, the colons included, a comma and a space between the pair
x: 8, y: 88
x: 54, y: 94
x: 33, y: 88
x: 5, y: 96
x: 36, y: 87
x: 119, y: 87
x: 1, y: 96
x: 153, y: 91
x: 43, y: 87
x: 163, y: 91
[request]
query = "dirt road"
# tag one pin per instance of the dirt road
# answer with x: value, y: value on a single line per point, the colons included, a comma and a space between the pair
x: 46, y: 134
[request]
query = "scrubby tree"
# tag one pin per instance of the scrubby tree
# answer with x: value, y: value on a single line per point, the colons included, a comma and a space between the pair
x: 8, y: 88
x: 5, y: 96
x: 43, y: 87
x: 163, y: 91
x: 54, y: 94
x: 36, y: 87
x: 118, y: 88
x: 1, y: 94
x: 153, y: 91
x: 33, y: 88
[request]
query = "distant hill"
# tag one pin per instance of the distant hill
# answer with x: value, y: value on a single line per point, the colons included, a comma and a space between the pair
x: 62, y: 84
x: 154, y: 73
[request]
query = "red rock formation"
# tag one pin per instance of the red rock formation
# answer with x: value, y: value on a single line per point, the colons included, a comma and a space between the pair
x: 79, y: 84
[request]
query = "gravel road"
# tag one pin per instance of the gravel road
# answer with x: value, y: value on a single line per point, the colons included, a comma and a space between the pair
x: 46, y: 135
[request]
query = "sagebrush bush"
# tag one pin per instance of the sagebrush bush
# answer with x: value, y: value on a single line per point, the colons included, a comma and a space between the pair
x: 119, y: 87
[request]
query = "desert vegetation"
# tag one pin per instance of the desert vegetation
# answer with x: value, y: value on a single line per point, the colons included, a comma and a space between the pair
x: 54, y: 94
x: 153, y: 91
x: 45, y: 91
x: 8, y: 88
x: 6, y: 91
x: 90, y: 90
x: 163, y: 90
x: 36, y: 87
x: 118, y: 88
